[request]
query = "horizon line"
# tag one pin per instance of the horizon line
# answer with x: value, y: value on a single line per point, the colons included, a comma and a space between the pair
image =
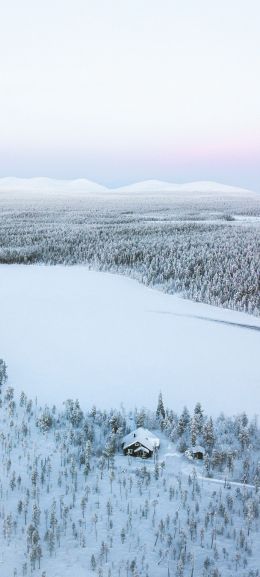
x: 128, y: 183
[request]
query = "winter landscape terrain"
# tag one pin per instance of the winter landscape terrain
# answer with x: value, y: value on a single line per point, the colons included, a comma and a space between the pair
x: 200, y: 239
x: 87, y: 353
x: 71, y: 502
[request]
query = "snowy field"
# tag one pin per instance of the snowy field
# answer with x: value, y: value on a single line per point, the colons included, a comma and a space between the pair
x: 67, y: 332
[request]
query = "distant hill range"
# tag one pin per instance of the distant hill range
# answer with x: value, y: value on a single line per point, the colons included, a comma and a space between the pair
x: 150, y: 187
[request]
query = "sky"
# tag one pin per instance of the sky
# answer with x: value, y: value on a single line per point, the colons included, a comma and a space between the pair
x: 124, y: 90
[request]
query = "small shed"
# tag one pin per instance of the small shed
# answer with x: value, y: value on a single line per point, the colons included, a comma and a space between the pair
x: 140, y: 443
x: 197, y: 452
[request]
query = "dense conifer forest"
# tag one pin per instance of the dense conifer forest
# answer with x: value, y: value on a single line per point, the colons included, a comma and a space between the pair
x: 208, y: 250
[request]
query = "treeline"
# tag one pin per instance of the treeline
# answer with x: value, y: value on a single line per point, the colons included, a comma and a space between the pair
x: 231, y: 444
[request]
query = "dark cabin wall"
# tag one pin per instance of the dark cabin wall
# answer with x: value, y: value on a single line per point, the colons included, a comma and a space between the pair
x: 133, y: 447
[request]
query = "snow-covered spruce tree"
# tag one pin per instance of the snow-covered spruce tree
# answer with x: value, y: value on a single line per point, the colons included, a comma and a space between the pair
x: 208, y: 435
x: 73, y: 412
x: 197, y: 423
x: 183, y: 430
x: 198, y: 418
x: 45, y: 421
x: 3, y: 373
x: 140, y: 418
x: 160, y: 411
x: 87, y: 455
x: 109, y: 450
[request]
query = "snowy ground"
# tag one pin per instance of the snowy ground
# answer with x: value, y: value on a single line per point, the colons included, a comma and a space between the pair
x: 137, y: 518
x: 69, y: 332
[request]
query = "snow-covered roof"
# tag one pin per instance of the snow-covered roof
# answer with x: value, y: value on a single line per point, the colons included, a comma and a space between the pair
x: 197, y: 449
x: 144, y: 449
x: 143, y: 436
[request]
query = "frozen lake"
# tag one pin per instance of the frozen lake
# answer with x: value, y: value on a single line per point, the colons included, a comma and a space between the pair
x: 67, y: 332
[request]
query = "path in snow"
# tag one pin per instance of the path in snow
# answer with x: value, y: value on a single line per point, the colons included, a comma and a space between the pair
x: 208, y: 319
x: 179, y: 464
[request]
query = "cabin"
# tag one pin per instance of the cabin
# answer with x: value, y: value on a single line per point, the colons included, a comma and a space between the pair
x: 140, y: 443
x: 196, y: 452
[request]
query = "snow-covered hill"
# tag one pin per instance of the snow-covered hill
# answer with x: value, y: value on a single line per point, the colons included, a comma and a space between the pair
x: 82, y: 186
x: 49, y: 185
x: 201, y: 187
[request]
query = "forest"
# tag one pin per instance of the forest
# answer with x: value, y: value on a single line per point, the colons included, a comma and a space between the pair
x: 69, y: 497
x: 207, y: 251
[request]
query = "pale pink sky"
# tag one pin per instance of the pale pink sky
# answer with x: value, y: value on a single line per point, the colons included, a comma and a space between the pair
x: 118, y: 91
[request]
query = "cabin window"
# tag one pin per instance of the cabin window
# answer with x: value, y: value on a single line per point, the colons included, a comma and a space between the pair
x: 130, y: 451
x: 137, y: 444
